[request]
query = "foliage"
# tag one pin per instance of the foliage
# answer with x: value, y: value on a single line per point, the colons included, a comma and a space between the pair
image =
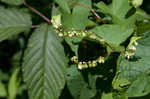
x: 74, y: 49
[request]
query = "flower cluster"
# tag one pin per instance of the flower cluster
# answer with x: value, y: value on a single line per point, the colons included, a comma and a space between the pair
x: 131, y: 50
x: 56, y: 21
x: 89, y: 64
x: 72, y: 33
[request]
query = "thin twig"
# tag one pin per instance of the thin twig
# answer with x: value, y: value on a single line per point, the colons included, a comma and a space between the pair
x: 35, y: 26
x: 92, y: 10
x: 37, y: 12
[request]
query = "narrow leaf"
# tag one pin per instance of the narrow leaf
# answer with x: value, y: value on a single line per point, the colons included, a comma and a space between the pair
x: 14, y: 84
x: 3, y: 92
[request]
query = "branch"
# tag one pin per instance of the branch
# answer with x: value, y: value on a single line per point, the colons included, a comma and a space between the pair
x: 37, y: 12
x: 92, y: 10
x: 35, y: 26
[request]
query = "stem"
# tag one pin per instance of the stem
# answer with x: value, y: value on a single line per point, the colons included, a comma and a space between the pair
x: 35, y: 26
x: 92, y: 10
x: 37, y: 12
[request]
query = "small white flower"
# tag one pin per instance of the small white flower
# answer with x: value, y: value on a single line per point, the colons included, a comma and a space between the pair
x: 136, y: 3
x: 83, y: 34
x: 94, y: 63
x: 102, y: 40
x: 60, y: 34
x: 84, y: 64
x: 74, y: 59
x: 80, y: 66
x: 135, y: 43
x: 70, y: 35
x: 128, y: 54
x: 93, y: 36
x: 132, y: 48
x: 101, y: 59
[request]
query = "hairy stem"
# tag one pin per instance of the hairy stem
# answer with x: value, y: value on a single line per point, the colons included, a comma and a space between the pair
x: 37, y: 12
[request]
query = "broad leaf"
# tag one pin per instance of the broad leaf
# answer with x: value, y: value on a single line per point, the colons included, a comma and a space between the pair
x: 120, y: 8
x: 13, y: 2
x: 78, y: 86
x: 120, y: 95
x: 113, y: 34
x: 78, y: 20
x: 139, y: 64
x: 107, y: 96
x: 44, y: 64
x: 103, y: 7
x: 140, y: 87
x: 12, y: 22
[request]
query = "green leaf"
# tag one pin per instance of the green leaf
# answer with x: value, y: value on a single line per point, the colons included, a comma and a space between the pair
x: 81, y: 13
x: 3, y: 76
x: 12, y: 22
x: 103, y: 7
x: 63, y: 4
x: 120, y: 95
x: 3, y: 92
x: 142, y: 15
x: 107, y: 96
x: 143, y: 27
x: 44, y: 64
x: 78, y: 20
x: 74, y: 43
x: 14, y: 83
x: 140, y: 87
x: 78, y: 87
x: 91, y: 24
x: 13, y: 2
x: 120, y: 8
x: 118, y: 84
x: 139, y: 64
x: 113, y: 34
